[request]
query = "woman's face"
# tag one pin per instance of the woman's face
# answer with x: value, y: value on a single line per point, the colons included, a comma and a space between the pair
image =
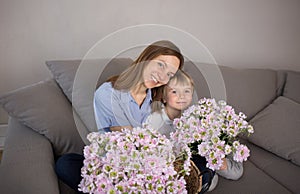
x: 159, y: 70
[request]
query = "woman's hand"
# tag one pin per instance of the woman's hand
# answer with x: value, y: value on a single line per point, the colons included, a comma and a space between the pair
x: 119, y: 128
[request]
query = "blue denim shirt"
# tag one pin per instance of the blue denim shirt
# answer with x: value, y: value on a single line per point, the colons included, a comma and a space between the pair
x: 118, y: 108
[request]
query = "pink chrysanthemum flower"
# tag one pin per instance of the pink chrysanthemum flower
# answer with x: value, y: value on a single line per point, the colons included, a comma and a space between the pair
x: 214, y: 128
x: 131, y: 161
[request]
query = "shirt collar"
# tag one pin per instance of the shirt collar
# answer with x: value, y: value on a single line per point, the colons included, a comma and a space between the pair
x: 148, y: 97
x: 166, y: 117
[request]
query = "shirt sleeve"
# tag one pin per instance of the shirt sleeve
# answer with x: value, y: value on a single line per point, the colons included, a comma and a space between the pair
x: 102, y: 106
x: 147, y: 122
x: 108, y: 109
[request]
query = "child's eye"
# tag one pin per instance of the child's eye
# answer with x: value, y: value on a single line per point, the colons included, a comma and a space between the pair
x: 187, y: 91
x: 173, y: 92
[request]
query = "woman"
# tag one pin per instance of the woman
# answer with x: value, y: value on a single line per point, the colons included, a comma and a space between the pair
x: 125, y: 100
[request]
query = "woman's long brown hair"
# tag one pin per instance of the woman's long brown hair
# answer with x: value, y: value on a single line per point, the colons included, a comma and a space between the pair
x: 133, y: 74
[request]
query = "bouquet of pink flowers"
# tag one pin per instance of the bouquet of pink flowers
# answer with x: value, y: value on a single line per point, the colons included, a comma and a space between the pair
x: 210, y: 129
x: 131, y: 161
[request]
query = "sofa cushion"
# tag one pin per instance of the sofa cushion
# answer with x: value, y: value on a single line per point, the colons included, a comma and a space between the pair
x: 249, y: 90
x: 277, y: 129
x: 254, y: 180
x: 292, y: 86
x: 283, y: 171
x: 281, y: 77
x: 45, y: 109
x: 64, y: 71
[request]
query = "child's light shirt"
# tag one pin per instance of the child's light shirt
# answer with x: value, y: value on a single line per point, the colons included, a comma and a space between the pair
x: 161, y: 122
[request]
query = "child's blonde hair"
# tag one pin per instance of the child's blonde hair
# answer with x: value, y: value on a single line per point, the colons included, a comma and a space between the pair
x: 180, y: 78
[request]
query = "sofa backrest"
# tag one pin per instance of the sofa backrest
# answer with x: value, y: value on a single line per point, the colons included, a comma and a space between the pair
x: 247, y: 90
x: 250, y: 90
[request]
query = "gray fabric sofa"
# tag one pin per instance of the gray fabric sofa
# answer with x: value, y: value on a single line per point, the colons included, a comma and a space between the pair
x: 43, y: 124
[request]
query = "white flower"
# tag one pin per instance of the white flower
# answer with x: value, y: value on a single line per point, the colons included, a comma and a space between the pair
x: 222, y: 102
x: 250, y: 129
x: 228, y: 149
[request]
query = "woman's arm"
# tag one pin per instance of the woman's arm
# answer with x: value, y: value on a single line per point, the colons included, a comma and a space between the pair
x: 107, y: 108
x: 119, y: 128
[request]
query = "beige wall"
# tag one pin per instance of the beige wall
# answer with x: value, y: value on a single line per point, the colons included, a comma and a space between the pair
x: 246, y: 33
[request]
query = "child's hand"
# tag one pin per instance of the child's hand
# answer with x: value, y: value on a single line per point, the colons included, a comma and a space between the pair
x: 224, y: 165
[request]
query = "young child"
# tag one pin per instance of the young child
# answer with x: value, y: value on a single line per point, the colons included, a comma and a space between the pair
x: 176, y: 96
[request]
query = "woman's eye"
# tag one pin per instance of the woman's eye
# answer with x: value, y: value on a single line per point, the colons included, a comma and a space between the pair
x: 160, y: 64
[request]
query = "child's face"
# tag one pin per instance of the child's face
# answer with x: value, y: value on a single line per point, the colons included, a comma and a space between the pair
x: 179, y: 97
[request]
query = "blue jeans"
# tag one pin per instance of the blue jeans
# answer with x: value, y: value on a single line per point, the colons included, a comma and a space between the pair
x: 207, y: 174
x: 68, y: 169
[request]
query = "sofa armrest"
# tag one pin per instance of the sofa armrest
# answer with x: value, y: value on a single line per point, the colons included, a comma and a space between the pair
x: 27, y: 165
